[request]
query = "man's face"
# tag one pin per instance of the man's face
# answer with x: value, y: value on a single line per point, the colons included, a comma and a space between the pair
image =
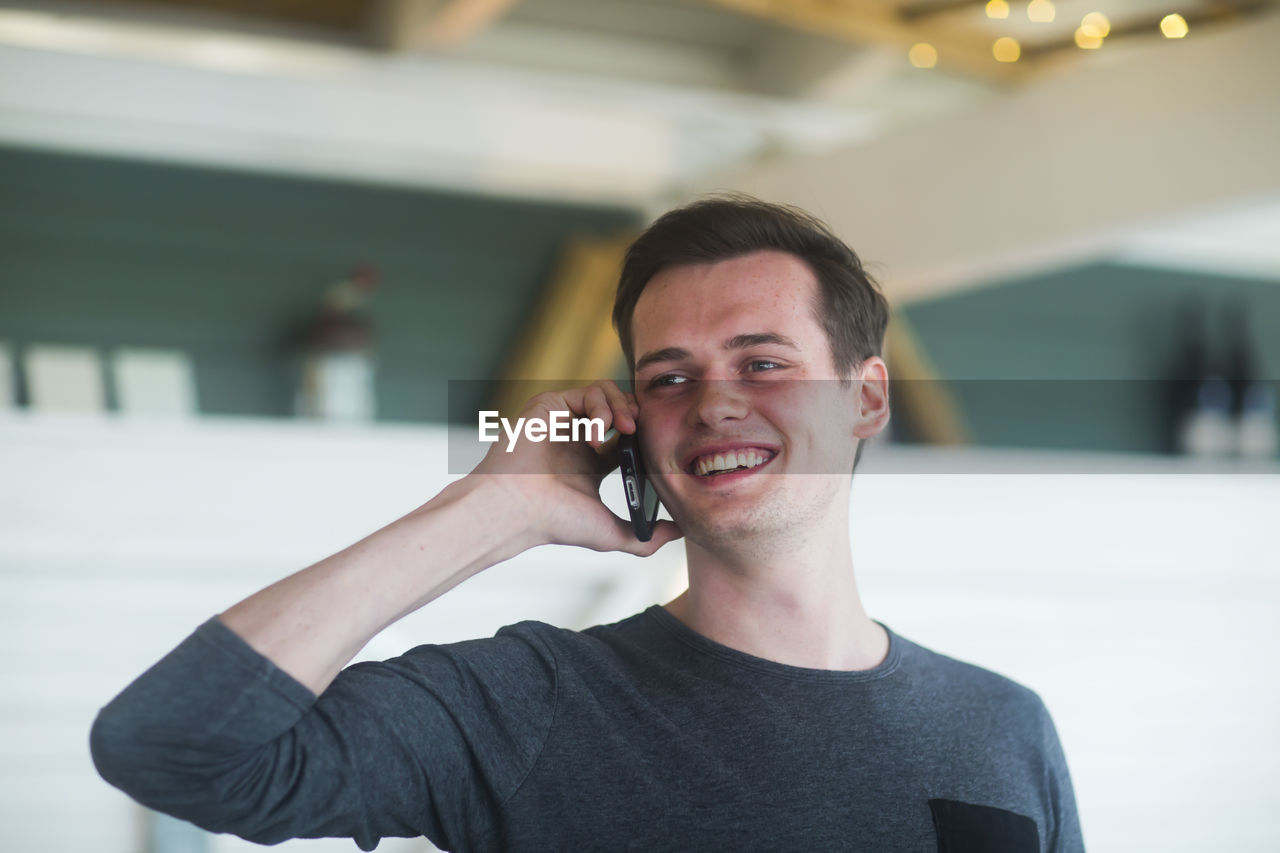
x: 728, y: 355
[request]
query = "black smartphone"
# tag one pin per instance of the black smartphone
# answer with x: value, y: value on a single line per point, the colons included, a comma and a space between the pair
x: 642, y: 500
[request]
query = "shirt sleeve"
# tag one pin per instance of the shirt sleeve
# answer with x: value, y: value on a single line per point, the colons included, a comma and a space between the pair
x: 1064, y: 834
x: 429, y: 743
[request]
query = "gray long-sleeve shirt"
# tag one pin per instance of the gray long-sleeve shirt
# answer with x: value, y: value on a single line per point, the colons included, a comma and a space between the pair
x: 638, y: 735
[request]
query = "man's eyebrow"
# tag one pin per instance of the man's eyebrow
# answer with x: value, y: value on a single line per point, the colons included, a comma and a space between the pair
x: 744, y: 341
x: 756, y: 339
x: 665, y: 354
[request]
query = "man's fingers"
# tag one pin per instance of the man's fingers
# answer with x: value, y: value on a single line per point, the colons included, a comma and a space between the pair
x: 627, y: 542
x: 623, y: 405
x: 603, y: 400
x: 606, y: 396
x: 597, y: 405
x: 609, y: 456
x: 663, y: 532
x: 575, y: 399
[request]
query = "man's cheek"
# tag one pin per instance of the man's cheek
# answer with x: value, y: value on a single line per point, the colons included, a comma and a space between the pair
x: 658, y: 432
x: 666, y: 495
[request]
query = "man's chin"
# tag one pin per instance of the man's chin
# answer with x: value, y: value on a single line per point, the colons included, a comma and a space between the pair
x: 762, y: 524
x: 730, y: 530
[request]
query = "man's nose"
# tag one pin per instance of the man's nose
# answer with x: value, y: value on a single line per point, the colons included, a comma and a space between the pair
x: 718, y: 400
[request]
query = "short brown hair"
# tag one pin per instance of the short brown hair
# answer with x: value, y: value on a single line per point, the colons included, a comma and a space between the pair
x: 853, y: 311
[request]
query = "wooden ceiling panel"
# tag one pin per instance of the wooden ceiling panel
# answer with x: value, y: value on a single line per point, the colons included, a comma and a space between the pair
x: 716, y: 43
x: 346, y: 16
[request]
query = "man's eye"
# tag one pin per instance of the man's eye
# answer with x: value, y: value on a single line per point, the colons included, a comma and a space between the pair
x: 763, y: 364
x: 668, y: 380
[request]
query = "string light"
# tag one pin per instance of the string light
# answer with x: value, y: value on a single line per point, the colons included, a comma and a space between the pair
x: 1006, y: 49
x: 1086, y: 40
x: 997, y: 9
x: 1173, y: 26
x: 1040, y: 11
x: 1095, y: 25
x: 923, y: 55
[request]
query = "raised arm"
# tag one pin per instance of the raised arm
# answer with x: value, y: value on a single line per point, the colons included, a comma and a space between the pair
x: 313, y: 622
x: 251, y: 725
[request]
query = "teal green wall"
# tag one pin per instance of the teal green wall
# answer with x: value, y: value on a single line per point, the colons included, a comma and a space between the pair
x: 1079, y: 357
x: 225, y: 265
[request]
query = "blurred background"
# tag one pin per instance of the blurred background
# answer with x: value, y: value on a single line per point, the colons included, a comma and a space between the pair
x: 254, y: 254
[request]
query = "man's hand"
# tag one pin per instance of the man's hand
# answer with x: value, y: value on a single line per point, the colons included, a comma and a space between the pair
x: 557, y: 484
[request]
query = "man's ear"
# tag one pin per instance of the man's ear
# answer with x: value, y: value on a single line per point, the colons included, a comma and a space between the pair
x: 873, y: 399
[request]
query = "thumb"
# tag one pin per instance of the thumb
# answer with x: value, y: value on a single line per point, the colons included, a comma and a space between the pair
x: 663, y: 532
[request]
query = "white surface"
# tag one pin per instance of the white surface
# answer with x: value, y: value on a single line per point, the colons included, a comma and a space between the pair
x: 1244, y: 241
x: 1143, y: 607
x: 406, y: 120
x: 154, y: 382
x: 64, y: 378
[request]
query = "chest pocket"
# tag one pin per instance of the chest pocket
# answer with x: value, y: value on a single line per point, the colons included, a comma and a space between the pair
x: 970, y: 828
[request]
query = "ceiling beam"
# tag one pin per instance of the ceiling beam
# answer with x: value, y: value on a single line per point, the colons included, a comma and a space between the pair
x: 873, y: 22
x: 1149, y: 26
x: 409, y: 25
x: 569, y: 337
x: 1064, y: 171
x: 796, y: 65
x: 1217, y: 11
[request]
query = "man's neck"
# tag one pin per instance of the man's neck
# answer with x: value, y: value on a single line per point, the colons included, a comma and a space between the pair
x: 800, y: 609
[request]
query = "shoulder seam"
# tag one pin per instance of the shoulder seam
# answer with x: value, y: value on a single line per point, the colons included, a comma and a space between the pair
x: 555, y: 711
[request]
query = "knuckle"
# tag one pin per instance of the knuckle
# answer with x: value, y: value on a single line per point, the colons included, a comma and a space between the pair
x: 543, y: 399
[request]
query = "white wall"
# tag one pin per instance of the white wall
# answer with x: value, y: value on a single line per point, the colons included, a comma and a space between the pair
x: 1143, y: 607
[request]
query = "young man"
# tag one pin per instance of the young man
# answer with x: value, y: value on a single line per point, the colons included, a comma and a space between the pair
x: 762, y: 709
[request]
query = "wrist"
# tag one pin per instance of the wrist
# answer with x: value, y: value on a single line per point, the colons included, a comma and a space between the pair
x: 508, y: 512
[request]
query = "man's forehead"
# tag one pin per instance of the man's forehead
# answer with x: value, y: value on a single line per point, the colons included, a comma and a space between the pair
x: 763, y: 298
x: 770, y: 265
x: 769, y: 279
x: 778, y: 284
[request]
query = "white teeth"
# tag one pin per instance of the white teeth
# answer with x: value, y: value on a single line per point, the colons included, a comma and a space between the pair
x: 728, y: 461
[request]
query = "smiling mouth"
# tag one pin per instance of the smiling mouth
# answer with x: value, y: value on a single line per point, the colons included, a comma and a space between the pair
x: 731, y: 462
